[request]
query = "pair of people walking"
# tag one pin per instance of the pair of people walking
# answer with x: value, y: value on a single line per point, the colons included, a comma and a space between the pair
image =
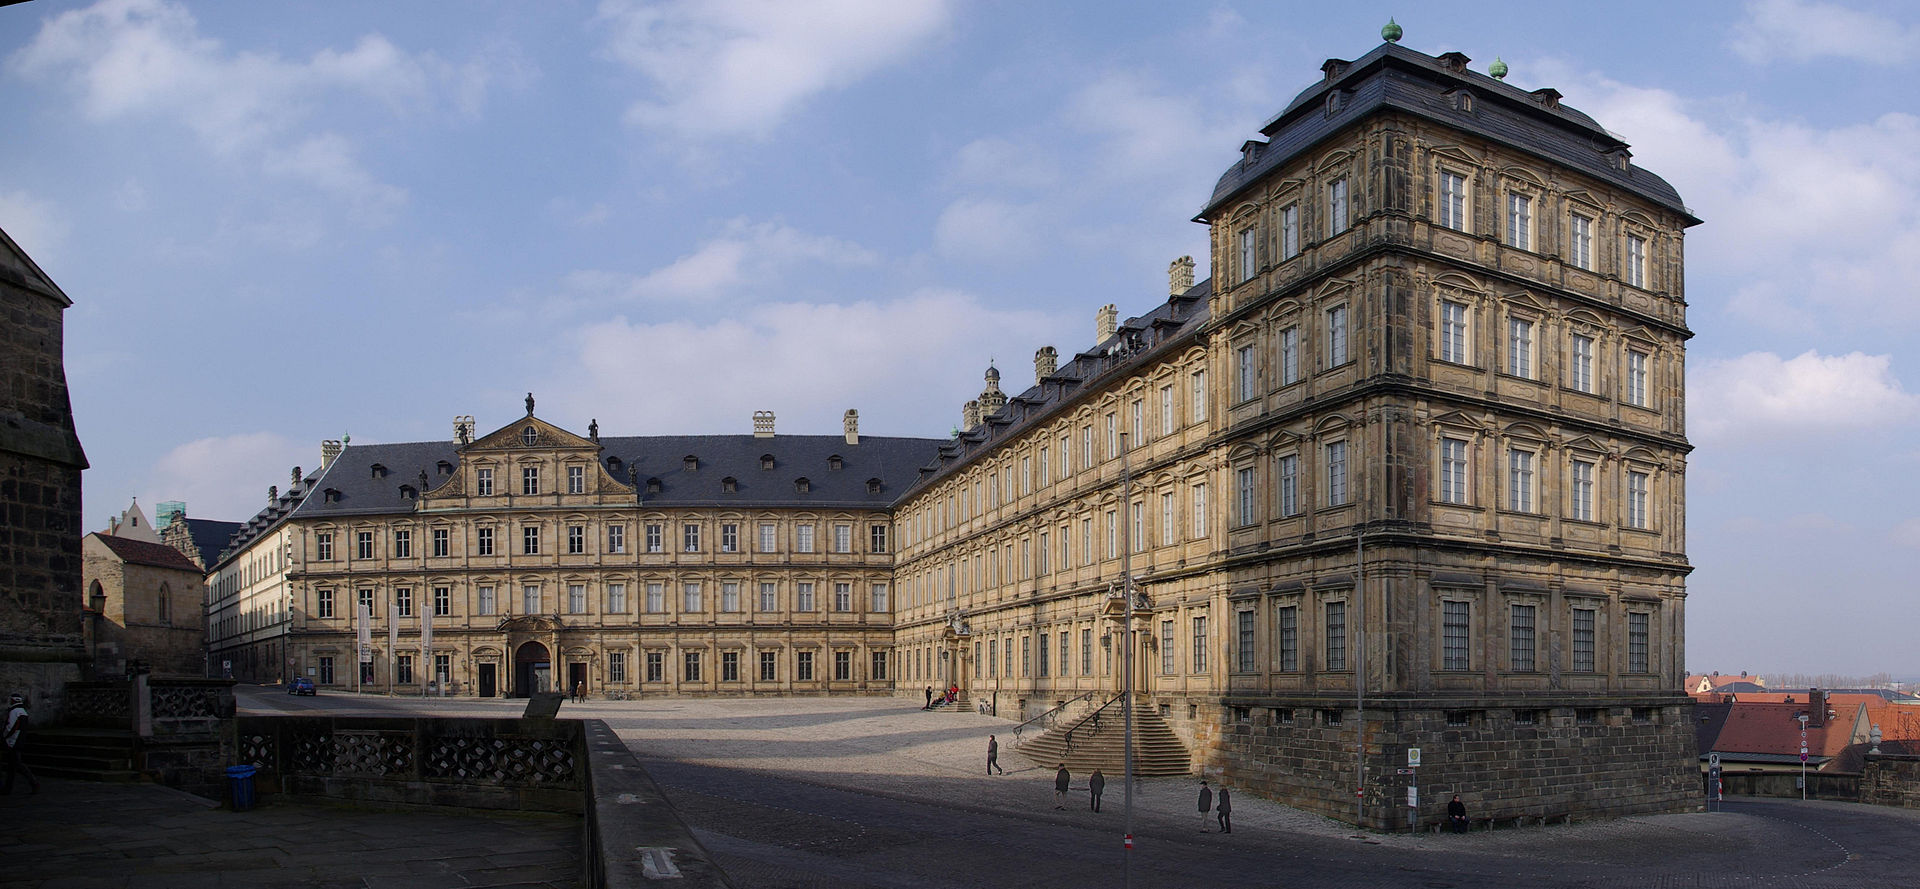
x: 1063, y: 781
x: 1221, y: 811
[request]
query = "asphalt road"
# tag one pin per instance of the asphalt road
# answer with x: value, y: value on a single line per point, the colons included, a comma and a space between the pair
x: 875, y: 793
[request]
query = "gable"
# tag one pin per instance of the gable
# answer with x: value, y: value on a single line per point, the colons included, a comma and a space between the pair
x: 514, y: 437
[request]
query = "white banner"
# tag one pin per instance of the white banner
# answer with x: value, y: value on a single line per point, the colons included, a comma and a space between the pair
x: 426, y: 639
x: 363, y: 626
x: 393, y: 631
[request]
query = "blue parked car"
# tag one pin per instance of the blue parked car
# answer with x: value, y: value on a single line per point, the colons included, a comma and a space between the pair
x: 300, y: 685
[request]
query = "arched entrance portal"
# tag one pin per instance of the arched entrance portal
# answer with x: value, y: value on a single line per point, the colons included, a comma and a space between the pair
x: 532, y: 669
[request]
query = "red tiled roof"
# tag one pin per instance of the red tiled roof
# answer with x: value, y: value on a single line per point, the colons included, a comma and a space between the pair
x: 140, y: 552
x: 1769, y: 728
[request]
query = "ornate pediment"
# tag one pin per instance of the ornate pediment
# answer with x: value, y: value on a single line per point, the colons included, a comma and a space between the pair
x: 529, y: 623
x: 530, y: 433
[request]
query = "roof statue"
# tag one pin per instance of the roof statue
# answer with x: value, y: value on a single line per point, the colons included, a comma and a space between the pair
x: 529, y: 404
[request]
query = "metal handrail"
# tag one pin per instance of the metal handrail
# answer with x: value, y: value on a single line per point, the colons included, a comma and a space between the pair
x: 1094, y: 717
x: 1046, y: 720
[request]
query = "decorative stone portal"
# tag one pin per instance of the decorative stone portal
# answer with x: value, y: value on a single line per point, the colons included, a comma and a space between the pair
x: 533, y: 669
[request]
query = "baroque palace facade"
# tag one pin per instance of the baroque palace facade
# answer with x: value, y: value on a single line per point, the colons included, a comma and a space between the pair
x: 1405, y: 476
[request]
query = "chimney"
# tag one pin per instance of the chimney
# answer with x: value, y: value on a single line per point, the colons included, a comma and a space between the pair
x: 273, y: 494
x: 296, y: 479
x: 328, y: 451
x: 851, y: 420
x: 463, y: 429
x: 1105, y: 322
x: 1180, y: 276
x: 763, y: 424
x: 1816, y: 708
x: 970, y: 415
x: 1045, y: 362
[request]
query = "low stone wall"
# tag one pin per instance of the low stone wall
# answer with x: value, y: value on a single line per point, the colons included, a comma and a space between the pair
x: 633, y: 835
x: 1891, y: 781
x: 1840, y: 786
x: 535, y: 764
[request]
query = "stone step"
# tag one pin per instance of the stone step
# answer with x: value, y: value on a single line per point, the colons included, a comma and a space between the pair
x: 1082, y: 746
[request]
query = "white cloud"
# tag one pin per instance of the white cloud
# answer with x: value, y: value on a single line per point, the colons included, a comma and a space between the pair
x: 989, y: 229
x: 1803, y: 31
x: 1760, y: 393
x: 807, y: 362
x: 36, y: 225
x: 135, y: 59
x: 225, y: 477
x: 739, y: 68
x: 746, y: 255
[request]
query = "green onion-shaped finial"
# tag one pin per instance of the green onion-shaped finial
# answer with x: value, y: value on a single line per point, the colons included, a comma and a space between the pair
x: 1498, y: 69
x: 1391, y: 33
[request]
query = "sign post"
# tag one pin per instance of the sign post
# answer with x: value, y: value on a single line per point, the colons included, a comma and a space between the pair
x: 1714, y: 790
x: 1413, y: 789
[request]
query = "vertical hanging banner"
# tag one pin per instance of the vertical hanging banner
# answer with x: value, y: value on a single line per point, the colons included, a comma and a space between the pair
x: 427, y: 674
x: 393, y: 631
x: 363, y: 626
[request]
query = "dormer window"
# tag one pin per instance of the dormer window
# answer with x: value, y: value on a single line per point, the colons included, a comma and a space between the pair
x: 613, y: 465
x: 834, y: 463
x: 690, y: 463
x: 529, y: 436
x: 330, y: 495
x: 379, y: 471
x: 873, y: 486
x: 444, y: 467
x: 1548, y: 97
x: 1453, y: 61
x: 1461, y: 100
x: 766, y: 461
x: 802, y: 486
x: 409, y: 492
x: 653, y: 485
x: 729, y: 486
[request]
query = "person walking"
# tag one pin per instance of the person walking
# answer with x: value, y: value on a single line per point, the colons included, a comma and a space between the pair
x: 1206, y: 805
x: 1457, y: 815
x: 929, y: 705
x: 1096, y: 784
x: 14, y: 736
x: 1061, y: 781
x: 993, y: 755
x: 1224, y: 808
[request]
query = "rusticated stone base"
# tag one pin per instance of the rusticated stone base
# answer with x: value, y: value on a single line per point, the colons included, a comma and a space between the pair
x: 1579, y: 759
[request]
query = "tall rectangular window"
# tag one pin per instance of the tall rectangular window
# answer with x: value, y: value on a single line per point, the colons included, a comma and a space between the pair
x: 1286, y: 624
x: 690, y: 598
x: 729, y: 666
x: 1580, y: 364
x: 576, y: 598
x: 690, y: 669
x: 483, y: 541
x: 1453, y: 332
x: 878, y: 599
x: 803, y: 666
x: 1520, y: 221
x: 1290, y: 232
x: 843, y: 538
x: 1636, y: 261
x: 1136, y: 423
x: 1520, y: 480
x: 324, y: 603
x: 483, y: 482
x: 803, y: 597
x: 1336, y: 627
x: 576, y: 539
x: 1637, y: 642
x: 656, y: 666
x: 1243, y: 649
x: 1244, y: 496
x: 442, y: 542
x: 656, y: 538
x: 530, y: 540
x: 877, y: 538
x: 1453, y: 635
x: 730, y: 597
x: 1580, y: 492
x: 403, y: 544
x: 1337, y: 206
x: 616, y: 598
x: 1520, y: 638
x: 616, y: 666
x: 1289, y: 486
x: 1200, y: 644
x: 486, y: 601
x: 1045, y: 663
x: 1583, y: 640
x: 1243, y: 362
x: 403, y: 669
x: 1290, y: 356
x: 1248, y: 252
x: 1138, y: 529
x: 843, y: 597
x: 769, y: 536
x: 1197, y: 398
x: 878, y: 664
x: 1199, y: 520
x: 1167, y: 416
x: 442, y: 601
x: 1636, y: 499
x: 530, y: 480
x: 769, y: 596
x: 1166, y: 647
x: 1336, y: 336
x: 1520, y: 347
x: 690, y: 538
x: 1169, y: 521
x: 1043, y: 566
x: 729, y: 538
x: 656, y: 598
x: 366, y: 601
x: 1580, y: 241
x: 1636, y: 378
x: 1113, y: 444
x: 323, y: 546
x: 616, y: 538
x: 1086, y: 453
x: 1066, y: 654
x: 1453, y: 470
x: 363, y: 541
x: 1453, y: 201
x: 576, y: 480
x: 768, y: 660
x: 1336, y: 473
x: 530, y: 599
x: 803, y: 538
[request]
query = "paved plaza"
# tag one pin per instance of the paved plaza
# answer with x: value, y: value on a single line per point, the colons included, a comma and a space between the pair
x: 874, y: 792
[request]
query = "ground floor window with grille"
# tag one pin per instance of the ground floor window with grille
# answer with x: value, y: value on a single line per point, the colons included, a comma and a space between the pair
x: 326, y: 670
x: 691, y: 662
x: 767, y: 659
x: 1245, y: 636
x: 729, y: 666
x: 879, y: 670
x: 1636, y: 642
x: 803, y: 666
x: 1166, y: 648
x: 1453, y: 635
x: 1043, y: 655
x: 843, y: 665
x: 1086, y: 651
x: 1336, y: 635
x: 656, y: 666
x: 1520, y: 642
x: 1583, y: 640
x: 403, y: 669
x: 616, y: 666
x: 1287, y: 632
x: 1199, y: 645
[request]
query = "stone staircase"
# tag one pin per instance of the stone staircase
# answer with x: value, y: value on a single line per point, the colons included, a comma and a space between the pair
x: 1084, y: 746
x: 89, y: 754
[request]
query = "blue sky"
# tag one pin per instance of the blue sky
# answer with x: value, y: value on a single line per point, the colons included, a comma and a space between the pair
x: 285, y: 222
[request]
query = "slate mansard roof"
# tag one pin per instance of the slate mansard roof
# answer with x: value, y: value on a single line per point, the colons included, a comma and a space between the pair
x: 209, y: 536
x: 1393, y: 78
x: 889, y: 461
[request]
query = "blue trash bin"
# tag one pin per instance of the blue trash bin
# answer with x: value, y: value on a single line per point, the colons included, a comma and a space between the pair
x: 240, y: 786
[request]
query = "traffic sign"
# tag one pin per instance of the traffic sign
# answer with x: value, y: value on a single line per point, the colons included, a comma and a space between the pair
x: 1413, y: 757
x: 1413, y: 797
x: 1129, y: 841
x: 1803, y: 756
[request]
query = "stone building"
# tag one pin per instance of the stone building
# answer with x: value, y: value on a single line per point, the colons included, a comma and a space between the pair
x: 1405, y: 477
x: 548, y: 560
x: 143, y: 603
x: 41, y: 641
x: 200, y: 540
